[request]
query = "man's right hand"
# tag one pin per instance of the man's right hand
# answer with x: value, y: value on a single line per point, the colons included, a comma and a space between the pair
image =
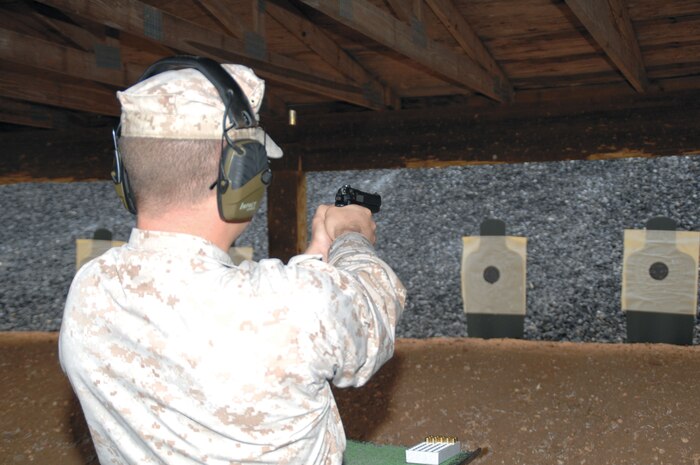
x: 350, y: 218
x: 330, y: 222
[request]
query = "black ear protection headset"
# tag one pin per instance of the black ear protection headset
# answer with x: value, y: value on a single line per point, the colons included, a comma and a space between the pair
x: 244, y: 171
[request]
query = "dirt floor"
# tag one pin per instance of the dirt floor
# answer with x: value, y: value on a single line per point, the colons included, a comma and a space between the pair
x: 524, y: 402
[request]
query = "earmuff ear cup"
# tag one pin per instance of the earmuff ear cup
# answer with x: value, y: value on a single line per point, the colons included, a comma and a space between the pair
x: 243, y: 177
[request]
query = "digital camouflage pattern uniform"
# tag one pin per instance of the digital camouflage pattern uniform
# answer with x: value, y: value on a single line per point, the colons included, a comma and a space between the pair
x: 180, y: 357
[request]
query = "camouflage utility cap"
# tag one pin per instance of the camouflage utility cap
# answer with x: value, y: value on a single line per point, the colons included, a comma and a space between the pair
x: 183, y: 104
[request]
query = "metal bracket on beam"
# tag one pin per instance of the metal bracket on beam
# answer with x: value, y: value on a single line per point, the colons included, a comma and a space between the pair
x: 255, y: 45
x: 418, y: 32
x: 345, y: 9
x: 152, y: 23
x: 107, y: 56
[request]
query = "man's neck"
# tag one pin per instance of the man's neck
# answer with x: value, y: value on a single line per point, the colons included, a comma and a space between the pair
x: 196, y: 222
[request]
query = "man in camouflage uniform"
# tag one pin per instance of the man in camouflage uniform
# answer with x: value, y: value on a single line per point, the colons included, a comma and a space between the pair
x: 177, y: 355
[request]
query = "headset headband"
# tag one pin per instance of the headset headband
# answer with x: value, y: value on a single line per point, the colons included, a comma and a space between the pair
x: 237, y: 106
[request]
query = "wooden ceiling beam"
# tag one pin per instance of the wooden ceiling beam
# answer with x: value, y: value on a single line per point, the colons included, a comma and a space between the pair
x: 398, y: 139
x: 273, y: 106
x: 382, y: 27
x: 225, y: 16
x: 458, y: 27
x: 653, y: 124
x: 306, y: 32
x: 402, y: 10
x: 465, y: 36
x: 313, y: 37
x: 609, y: 24
x: 25, y: 114
x: 140, y: 19
x: 80, y: 37
x: 48, y: 91
x: 228, y: 20
x: 45, y: 55
x: 259, y: 7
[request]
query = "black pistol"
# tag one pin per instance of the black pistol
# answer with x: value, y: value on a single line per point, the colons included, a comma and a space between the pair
x: 346, y: 195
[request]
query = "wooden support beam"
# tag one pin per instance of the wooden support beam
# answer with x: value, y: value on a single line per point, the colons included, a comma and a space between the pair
x: 83, y: 96
x: 286, y: 214
x: 25, y: 114
x: 83, y: 155
x: 401, y: 10
x: 79, y: 36
x: 49, y: 56
x: 408, y: 12
x: 402, y: 139
x: 256, y: 37
x: 272, y: 107
x: 380, y: 26
x: 465, y: 36
x: 159, y: 26
x: 258, y: 7
x: 225, y: 16
x: 418, y: 9
x: 609, y: 23
x: 313, y: 37
x: 533, y: 130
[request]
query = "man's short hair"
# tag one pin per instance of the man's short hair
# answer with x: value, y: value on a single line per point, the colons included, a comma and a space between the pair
x: 167, y: 173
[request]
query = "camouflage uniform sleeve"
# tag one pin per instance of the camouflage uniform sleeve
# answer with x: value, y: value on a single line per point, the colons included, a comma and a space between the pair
x: 356, y: 330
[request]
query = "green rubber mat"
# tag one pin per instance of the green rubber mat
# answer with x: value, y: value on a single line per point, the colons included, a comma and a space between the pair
x: 365, y: 453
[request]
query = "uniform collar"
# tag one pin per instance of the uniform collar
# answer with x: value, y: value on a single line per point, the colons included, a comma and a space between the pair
x: 177, y: 244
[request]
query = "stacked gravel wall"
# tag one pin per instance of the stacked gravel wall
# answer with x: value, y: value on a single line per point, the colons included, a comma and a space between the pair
x: 573, y: 213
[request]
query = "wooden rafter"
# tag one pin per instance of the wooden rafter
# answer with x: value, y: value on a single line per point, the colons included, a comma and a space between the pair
x: 402, y: 10
x: 318, y: 41
x: 398, y: 139
x: 225, y: 16
x: 310, y: 35
x: 45, y: 55
x: 646, y: 125
x: 609, y: 23
x: 458, y: 27
x: 25, y: 114
x: 380, y: 26
x: 273, y: 106
x: 230, y: 23
x: 306, y: 32
x: 137, y: 18
x: 465, y: 36
x: 49, y: 91
x: 75, y: 34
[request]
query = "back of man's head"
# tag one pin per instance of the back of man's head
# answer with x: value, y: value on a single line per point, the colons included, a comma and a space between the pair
x: 171, y: 135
